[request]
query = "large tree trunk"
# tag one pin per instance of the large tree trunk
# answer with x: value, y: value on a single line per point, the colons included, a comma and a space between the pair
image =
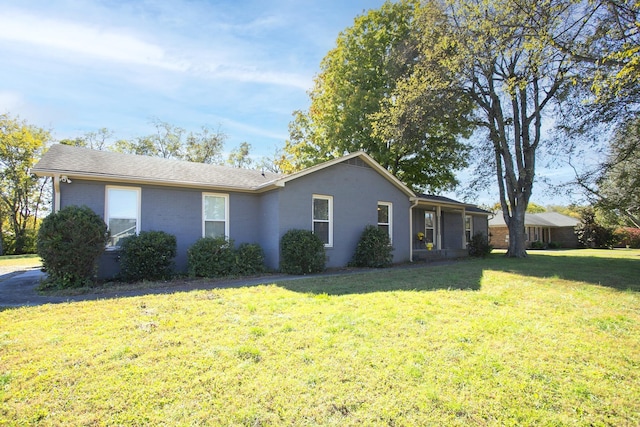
x: 517, y: 235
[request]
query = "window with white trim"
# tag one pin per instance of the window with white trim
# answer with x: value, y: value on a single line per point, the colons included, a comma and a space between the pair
x: 322, y: 218
x: 215, y: 215
x: 468, y: 227
x: 122, y: 212
x: 430, y: 227
x: 385, y: 218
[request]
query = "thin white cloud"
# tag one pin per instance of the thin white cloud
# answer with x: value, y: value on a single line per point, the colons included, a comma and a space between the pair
x: 109, y: 44
x: 253, y: 130
x: 257, y: 26
x: 254, y: 75
x: 84, y: 43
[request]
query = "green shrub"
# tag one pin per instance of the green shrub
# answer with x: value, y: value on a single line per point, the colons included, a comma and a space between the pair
x: 70, y: 242
x: 373, y: 249
x: 211, y: 257
x: 555, y: 245
x: 147, y: 256
x: 216, y: 257
x: 302, y: 252
x: 24, y: 243
x: 628, y: 237
x: 249, y: 259
x: 592, y: 234
x: 538, y: 245
x: 479, y: 245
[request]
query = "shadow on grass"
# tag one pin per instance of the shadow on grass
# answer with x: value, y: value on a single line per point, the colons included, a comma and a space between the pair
x: 613, y: 272
x: 464, y: 275
x: 610, y: 271
x: 457, y: 275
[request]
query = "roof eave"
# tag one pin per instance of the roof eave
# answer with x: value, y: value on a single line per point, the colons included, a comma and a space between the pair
x: 139, y: 181
x: 446, y: 204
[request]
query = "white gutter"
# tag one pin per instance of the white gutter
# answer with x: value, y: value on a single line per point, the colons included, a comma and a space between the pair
x: 155, y: 181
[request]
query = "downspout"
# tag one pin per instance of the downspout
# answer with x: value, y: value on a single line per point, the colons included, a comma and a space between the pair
x: 415, y: 203
x: 56, y: 193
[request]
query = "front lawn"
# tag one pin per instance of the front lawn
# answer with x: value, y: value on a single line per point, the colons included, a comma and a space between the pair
x: 550, y: 340
x: 19, y: 261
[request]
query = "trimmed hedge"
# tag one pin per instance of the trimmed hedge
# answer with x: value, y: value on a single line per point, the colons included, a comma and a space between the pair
x: 249, y: 259
x: 147, y: 256
x: 302, y: 252
x: 537, y: 244
x: 70, y: 242
x: 479, y: 246
x: 216, y: 257
x: 374, y: 249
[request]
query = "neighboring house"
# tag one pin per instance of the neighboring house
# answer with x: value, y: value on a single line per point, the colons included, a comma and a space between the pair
x: 335, y: 199
x: 544, y: 227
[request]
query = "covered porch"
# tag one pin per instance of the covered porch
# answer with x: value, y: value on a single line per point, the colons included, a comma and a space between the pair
x: 441, y: 227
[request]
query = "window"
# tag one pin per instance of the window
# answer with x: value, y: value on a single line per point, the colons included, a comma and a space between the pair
x: 430, y: 227
x: 385, y: 212
x: 215, y: 215
x: 468, y: 227
x: 122, y: 213
x: 323, y: 218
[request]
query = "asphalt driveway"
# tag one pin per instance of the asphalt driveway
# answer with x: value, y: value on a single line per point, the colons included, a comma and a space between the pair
x: 18, y: 288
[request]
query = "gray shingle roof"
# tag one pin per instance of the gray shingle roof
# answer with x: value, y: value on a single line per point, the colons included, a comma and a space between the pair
x: 545, y: 219
x: 446, y: 200
x: 105, y: 165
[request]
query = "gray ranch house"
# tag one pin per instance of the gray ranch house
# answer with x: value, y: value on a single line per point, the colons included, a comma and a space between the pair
x: 336, y: 199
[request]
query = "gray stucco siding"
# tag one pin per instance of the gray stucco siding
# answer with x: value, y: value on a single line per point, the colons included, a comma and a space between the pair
x: 83, y: 193
x: 177, y: 211
x: 452, y: 230
x: 480, y: 224
x: 265, y: 218
x: 356, y: 192
x: 244, y: 218
x: 268, y: 229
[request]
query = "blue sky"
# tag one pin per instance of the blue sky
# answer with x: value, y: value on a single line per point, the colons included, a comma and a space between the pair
x: 76, y: 66
x: 240, y: 66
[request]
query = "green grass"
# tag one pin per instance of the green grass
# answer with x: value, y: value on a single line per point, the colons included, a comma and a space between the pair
x: 20, y: 261
x: 550, y: 340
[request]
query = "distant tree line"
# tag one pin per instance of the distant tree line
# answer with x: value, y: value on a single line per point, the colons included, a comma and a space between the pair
x: 173, y: 142
x: 25, y: 198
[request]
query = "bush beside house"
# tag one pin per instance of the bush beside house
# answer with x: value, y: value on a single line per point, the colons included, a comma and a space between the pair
x: 302, y: 252
x: 217, y: 257
x: 479, y: 246
x: 147, y: 256
x: 70, y: 242
x: 374, y: 249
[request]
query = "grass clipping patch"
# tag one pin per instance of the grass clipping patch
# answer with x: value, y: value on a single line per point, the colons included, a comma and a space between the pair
x: 392, y: 348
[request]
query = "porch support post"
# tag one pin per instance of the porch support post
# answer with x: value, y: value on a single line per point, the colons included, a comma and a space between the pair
x: 415, y: 203
x: 464, y: 229
x: 438, y: 227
